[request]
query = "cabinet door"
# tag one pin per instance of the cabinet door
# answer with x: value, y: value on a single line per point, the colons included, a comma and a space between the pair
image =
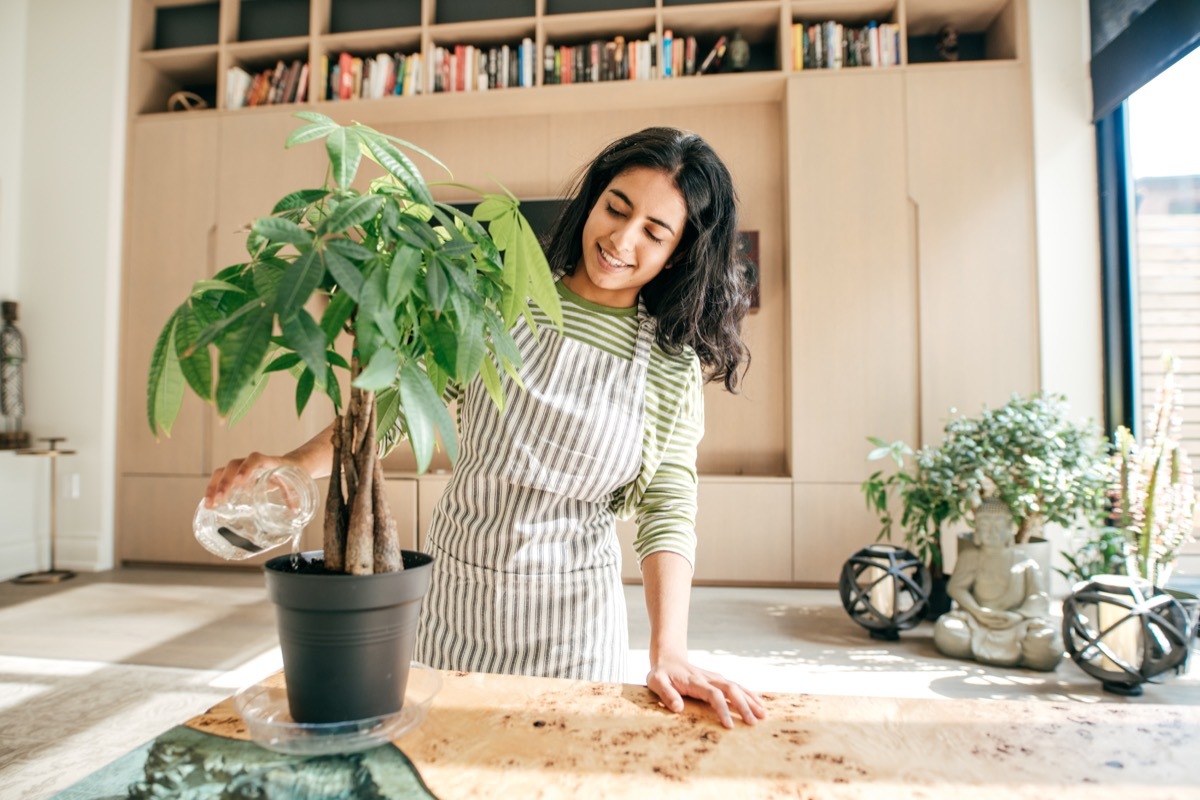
x: 970, y: 158
x: 154, y: 521
x: 170, y: 208
x: 255, y: 172
x: 832, y: 523
x: 853, y: 284
x: 743, y: 532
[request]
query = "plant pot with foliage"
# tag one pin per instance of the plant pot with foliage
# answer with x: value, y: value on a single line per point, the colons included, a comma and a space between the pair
x: 426, y: 296
x: 1027, y: 453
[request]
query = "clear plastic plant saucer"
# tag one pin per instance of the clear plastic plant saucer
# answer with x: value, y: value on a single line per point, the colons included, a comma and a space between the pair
x: 264, y: 708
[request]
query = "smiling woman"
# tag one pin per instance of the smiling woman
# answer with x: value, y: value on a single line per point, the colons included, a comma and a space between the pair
x: 601, y: 422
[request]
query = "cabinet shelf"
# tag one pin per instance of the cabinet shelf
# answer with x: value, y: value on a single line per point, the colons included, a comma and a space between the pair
x: 268, y: 50
x: 383, y: 39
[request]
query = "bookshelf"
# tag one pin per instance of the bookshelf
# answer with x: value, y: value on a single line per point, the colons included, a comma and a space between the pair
x: 182, y: 45
x: 860, y: 181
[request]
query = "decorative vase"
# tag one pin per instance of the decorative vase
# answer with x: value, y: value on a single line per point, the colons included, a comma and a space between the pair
x: 1124, y: 631
x: 885, y: 589
x: 939, y: 601
x: 347, y: 640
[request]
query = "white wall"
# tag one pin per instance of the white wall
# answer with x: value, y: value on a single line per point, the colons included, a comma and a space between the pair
x: 17, y: 483
x: 1068, y: 225
x: 64, y: 270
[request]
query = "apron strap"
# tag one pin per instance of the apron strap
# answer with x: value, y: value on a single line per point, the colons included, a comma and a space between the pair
x: 645, y: 340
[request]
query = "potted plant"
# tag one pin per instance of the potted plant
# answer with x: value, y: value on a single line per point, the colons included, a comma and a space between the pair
x: 1029, y: 454
x: 426, y: 296
x: 924, y: 504
x: 1153, y: 493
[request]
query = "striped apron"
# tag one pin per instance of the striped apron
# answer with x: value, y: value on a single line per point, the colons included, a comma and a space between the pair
x: 527, y: 570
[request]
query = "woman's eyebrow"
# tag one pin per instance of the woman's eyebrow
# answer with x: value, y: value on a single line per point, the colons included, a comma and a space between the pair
x: 655, y: 220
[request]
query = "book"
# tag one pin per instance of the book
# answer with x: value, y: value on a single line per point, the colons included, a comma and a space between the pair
x: 712, y: 62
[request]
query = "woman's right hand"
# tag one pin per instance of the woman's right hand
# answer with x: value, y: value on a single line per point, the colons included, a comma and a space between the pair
x: 241, y: 472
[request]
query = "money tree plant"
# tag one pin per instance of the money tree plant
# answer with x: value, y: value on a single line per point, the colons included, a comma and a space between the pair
x: 425, y: 292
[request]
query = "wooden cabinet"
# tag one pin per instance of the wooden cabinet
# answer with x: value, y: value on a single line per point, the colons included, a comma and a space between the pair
x: 169, y: 228
x: 743, y: 533
x: 853, y: 283
x: 970, y: 164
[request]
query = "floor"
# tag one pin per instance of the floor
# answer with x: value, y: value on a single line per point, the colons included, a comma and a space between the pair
x: 95, y: 666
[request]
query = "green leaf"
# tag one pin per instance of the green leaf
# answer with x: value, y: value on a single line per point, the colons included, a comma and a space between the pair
x: 285, y: 361
x: 304, y: 389
x: 242, y: 354
x: 403, y: 274
x: 381, y: 372
x: 437, y: 284
x: 300, y: 199
x: 415, y: 149
x: 334, y: 390
x: 200, y: 287
x: 282, y: 230
x: 218, y: 328
x: 345, y: 153
x: 542, y: 290
x: 399, y: 165
x: 266, y: 276
x: 335, y: 359
x: 298, y: 283
x: 350, y: 249
x: 321, y: 126
x: 491, y: 380
x: 423, y: 412
x: 196, y: 366
x: 351, y: 212
x: 387, y: 410
x: 442, y: 342
x: 341, y: 306
x: 305, y: 336
x: 471, y: 349
x: 164, y: 395
x: 456, y: 248
x: 247, y: 398
x: 345, y: 272
x: 492, y: 206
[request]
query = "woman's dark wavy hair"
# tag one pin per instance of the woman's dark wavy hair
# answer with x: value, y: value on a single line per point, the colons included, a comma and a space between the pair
x: 701, y: 301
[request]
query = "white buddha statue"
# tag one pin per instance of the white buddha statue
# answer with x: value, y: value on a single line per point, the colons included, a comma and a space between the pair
x: 1001, y: 611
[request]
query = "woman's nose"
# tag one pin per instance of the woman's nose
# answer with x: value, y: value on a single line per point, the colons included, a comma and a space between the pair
x: 623, y: 238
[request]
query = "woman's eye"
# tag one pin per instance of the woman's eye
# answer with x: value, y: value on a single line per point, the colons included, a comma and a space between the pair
x: 614, y: 212
x: 654, y: 238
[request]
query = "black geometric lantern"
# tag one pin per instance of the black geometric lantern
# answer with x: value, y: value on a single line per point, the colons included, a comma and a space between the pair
x: 1124, y: 631
x: 885, y: 589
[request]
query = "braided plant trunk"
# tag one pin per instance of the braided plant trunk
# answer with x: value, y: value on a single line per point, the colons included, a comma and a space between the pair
x: 360, y: 532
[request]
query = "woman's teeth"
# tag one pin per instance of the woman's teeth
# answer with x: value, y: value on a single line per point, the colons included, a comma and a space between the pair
x: 612, y: 262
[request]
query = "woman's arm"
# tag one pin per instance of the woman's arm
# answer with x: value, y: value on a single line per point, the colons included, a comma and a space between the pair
x: 314, y: 457
x: 668, y: 577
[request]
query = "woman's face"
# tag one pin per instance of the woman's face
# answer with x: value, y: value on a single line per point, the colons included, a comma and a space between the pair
x: 629, y: 237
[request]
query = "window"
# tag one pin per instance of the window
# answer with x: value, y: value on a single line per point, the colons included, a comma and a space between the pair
x: 1164, y: 168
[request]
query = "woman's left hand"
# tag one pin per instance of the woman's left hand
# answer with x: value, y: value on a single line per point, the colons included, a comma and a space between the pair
x: 673, y: 679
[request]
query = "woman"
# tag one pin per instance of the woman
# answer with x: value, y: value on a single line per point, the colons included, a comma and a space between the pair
x: 527, y: 564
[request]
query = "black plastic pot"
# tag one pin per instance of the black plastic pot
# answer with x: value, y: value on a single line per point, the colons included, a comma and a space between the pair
x: 347, y: 640
x: 939, y: 601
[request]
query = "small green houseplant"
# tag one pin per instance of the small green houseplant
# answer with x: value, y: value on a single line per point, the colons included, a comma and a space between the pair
x: 923, y: 505
x: 1029, y: 454
x: 426, y: 295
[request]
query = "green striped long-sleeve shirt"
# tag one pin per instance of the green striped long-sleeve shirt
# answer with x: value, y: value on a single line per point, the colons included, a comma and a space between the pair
x: 662, y: 499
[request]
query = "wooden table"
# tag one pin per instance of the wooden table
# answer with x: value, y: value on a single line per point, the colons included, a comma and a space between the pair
x: 513, y: 737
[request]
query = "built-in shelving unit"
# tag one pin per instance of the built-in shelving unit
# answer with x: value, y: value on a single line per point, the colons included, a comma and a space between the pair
x: 894, y: 207
x: 182, y: 45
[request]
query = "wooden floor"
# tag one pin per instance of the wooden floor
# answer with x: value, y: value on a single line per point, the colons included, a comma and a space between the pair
x: 97, y: 665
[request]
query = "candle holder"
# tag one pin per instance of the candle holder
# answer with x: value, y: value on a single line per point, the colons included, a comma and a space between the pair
x: 885, y: 589
x: 52, y: 452
x: 1124, y: 631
